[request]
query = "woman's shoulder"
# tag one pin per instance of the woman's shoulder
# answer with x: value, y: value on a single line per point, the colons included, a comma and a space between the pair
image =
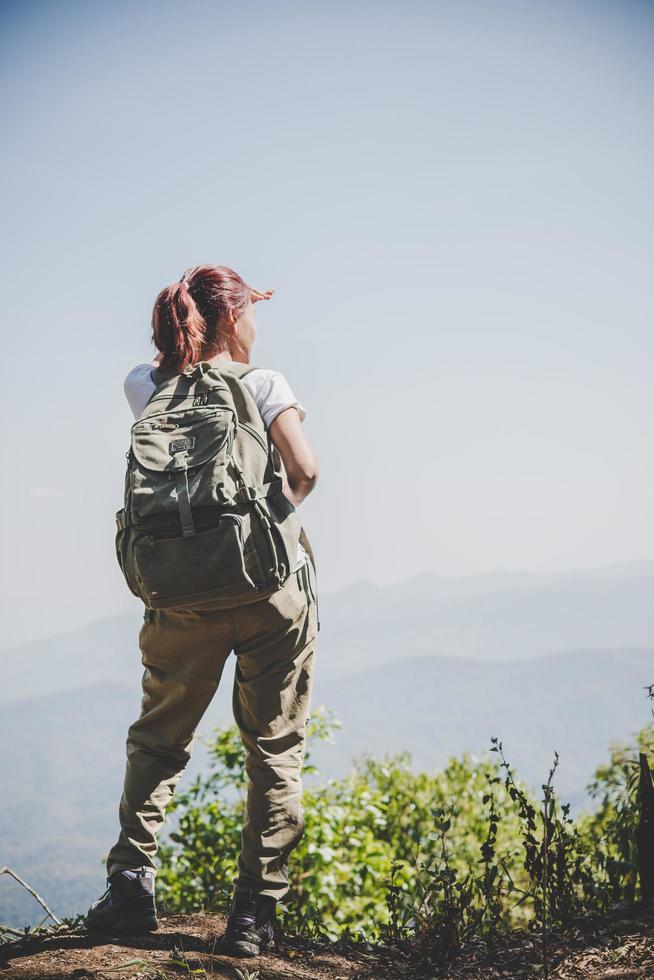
x: 271, y: 392
x: 261, y: 373
x: 138, y: 387
x: 266, y: 381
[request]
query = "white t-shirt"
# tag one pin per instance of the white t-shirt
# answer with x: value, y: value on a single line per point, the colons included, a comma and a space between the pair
x: 270, y: 390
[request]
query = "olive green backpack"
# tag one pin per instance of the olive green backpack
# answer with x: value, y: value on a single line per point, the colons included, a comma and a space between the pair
x: 204, y: 518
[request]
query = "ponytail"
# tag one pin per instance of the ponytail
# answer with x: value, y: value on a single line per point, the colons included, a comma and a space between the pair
x: 178, y: 327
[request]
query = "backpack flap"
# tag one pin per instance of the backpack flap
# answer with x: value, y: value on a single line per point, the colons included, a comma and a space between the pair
x: 179, y: 455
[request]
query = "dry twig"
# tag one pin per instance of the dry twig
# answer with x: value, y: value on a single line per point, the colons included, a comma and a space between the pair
x: 8, y: 871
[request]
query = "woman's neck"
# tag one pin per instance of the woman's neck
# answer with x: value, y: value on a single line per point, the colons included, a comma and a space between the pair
x: 223, y: 356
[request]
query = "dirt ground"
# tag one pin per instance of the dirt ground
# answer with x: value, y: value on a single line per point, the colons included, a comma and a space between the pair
x: 183, y: 945
x: 620, y: 947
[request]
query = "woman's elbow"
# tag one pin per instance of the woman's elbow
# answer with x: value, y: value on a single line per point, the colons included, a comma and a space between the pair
x: 304, y: 478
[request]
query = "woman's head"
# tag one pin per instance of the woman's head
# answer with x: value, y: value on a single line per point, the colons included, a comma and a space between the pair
x: 210, y: 310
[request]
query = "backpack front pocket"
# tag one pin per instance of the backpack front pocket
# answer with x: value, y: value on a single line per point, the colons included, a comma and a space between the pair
x: 176, y: 570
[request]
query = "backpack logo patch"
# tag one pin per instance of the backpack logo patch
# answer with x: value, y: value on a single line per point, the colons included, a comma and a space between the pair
x: 179, y: 445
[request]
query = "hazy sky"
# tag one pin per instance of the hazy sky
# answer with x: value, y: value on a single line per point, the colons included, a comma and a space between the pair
x: 453, y: 201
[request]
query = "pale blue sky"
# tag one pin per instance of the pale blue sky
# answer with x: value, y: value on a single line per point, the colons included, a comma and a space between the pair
x: 453, y: 201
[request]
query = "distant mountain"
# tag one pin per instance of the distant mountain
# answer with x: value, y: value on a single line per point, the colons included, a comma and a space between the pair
x: 499, y: 616
x: 576, y: 703
x: 106, y: 650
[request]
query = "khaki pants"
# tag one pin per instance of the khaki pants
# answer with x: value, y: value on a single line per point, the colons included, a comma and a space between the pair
x: 184, y: 652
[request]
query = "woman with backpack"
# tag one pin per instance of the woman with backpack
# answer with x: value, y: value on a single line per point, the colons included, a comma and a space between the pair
x: 210, y: 540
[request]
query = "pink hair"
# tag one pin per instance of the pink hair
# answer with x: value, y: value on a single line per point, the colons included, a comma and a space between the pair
x: 189, y: 316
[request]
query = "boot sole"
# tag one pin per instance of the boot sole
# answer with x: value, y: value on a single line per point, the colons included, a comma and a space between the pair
x: 125, y: 927
x: 243, y: 949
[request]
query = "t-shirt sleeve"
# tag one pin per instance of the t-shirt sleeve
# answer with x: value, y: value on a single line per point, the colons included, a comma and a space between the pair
x: 272, y: 394
x: 138, y: 387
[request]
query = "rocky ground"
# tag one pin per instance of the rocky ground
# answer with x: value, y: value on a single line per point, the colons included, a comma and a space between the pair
x: 620, y: 946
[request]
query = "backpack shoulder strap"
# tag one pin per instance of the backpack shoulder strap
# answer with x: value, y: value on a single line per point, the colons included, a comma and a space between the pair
x: 159, y: 376
x: 237, y: 368
x: 233, y: 372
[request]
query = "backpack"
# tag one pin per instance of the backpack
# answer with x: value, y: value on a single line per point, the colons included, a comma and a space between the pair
x: 204, y: 517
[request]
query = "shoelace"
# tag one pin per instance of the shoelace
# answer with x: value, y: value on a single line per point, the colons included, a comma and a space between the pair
x: 242, y: 921
x: 104, y: 895
x: 141, y: 873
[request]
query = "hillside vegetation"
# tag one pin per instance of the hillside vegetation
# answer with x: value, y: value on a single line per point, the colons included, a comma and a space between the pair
x: 456, y: 873
x: 391, y: 853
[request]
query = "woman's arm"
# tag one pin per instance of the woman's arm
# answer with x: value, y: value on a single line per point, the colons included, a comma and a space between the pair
x: 300, y: 463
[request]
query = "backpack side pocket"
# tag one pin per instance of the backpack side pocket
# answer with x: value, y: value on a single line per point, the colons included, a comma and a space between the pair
x: 284, y: 525
x: 122, y: 552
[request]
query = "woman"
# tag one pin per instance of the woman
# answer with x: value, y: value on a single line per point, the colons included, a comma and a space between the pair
x: 209, y: 316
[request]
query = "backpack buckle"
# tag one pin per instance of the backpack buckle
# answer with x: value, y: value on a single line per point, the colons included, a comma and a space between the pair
x: 200, y: 369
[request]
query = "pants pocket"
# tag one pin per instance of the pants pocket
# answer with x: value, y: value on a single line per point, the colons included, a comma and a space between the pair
x: 308, y: 588
x: 310, y: 585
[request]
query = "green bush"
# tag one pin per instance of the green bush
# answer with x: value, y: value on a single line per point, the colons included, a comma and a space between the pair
x: 611, y: 828
x: 388, y: 852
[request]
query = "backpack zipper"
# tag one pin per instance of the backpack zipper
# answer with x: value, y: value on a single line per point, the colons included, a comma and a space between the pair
x: 215, y: 410
x: 157, y: 396
x: 174, y: 532
x: 168, y: 398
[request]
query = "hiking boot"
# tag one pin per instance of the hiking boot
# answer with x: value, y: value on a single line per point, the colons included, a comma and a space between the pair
x: 127, y: 906
x: 250, y: 926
